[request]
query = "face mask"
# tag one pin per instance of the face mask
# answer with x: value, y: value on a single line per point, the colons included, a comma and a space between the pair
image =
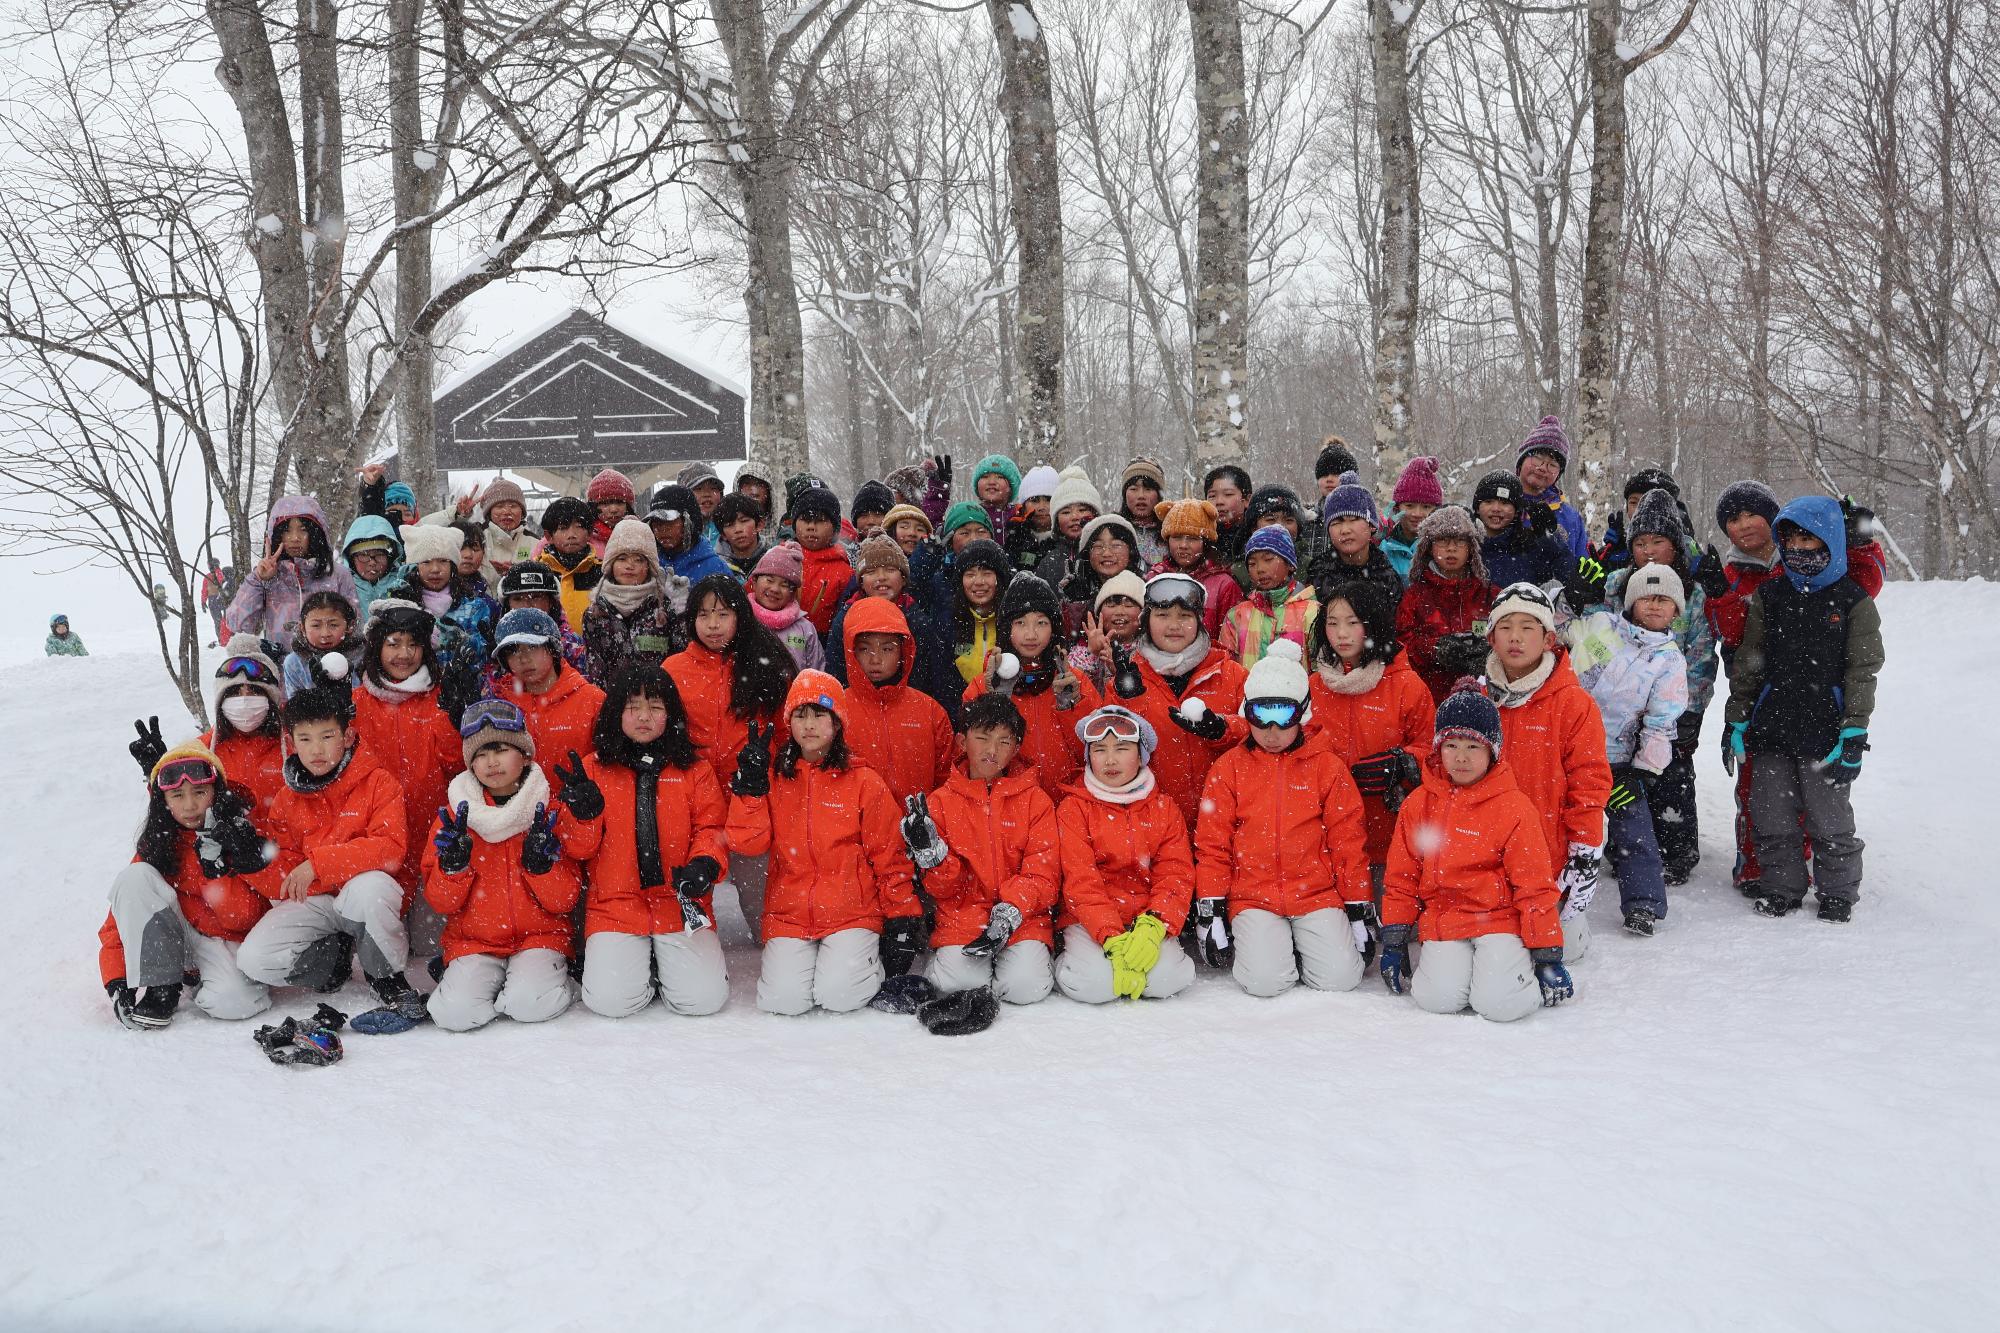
x: 246, y: 712
x: 1807, y: 564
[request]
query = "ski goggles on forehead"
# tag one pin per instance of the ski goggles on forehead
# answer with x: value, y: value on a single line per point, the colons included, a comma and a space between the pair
x: 664, y: 516
x: 1272, y: 712
x: 1112, y: 726
x: 182, y: 772
x: 247, y: 667
x: 477, y: 721
x: 1173, y: 592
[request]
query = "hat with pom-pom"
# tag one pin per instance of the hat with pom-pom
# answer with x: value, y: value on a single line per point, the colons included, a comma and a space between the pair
x: 1279, y: 674
x: 1273, y: 540
x: 1467, y: 714
x: 1419, y: 484
x: 1074, y: 487
x: 1546, y: 438
x: 1335, y: 459
x: 1350, y: 499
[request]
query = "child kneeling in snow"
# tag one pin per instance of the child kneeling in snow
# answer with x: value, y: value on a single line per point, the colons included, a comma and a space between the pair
x: 986, y: 842
x: 652, y: 841
x: 1128, y: 874
x: 1634, y: 670
x: 187, y: 899
x: 1469, y: 870
x: 840, y: 912
x: 1281, y: 845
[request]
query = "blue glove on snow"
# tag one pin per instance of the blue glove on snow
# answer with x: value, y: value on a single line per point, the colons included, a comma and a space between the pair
x: 1556, y: 985
x: 1843, y: 764
x: 1395, y: 957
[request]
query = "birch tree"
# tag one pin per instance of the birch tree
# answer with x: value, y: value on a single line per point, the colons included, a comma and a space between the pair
x: 1222, y: 236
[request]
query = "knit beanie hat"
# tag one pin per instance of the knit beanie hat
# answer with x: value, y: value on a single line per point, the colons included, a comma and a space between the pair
x: 1467, y: 714
x: 960, y: 514
x: 630, y: 536
x: 815, y: 689
x: 1115, y: 522
x: 1656, y: 580
x: 1142, y: 469
x: 817, y: 502
x: 1527, y: 599
x: 786, y: 560
x: 1188, y: 518
x: 1546, y: 438
x: 525, y: 625
x: 698, y: 474
x: 796, y: 485
x: 1279, y: 674
x: 1030, y: 592
x: 998, y: 465
x: 1497, y: 485
x: 1149, y: 740
x: 430, y: 541
x: 879, y: 552
x: 1122, y: 584
x: 610, y: 484
x: 1074, y: 487
x: 1419, y: 484
x: 1746, y: 497
x: 564, y: 513
x: 493, y: 722
x: 1350, y: 499
x: 871, y: 497
x: 1275, y: 540
x: 499, y: 492
x: 1651, y: 479
x: 982, y: 554
x: 1038, y: 484
x: 399, y: 493
x: 898, y: 512
x: 244, y: 663
x: 1335, y: 459
x: 1658, y: 515
x: 1447, y: 521
x: 181, y: 753
x: 1273, y: 498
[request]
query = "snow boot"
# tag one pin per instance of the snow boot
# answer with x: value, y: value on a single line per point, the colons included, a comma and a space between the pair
x: 1750, y: 888
x: 1772, y: 904
x: 1838, y: 910
x: 324, y: 965
x: 436, y: 968
x: 148, y: 1010
x: 1676, y: 878
x: 403, y: 1008
x: 1639, y: 920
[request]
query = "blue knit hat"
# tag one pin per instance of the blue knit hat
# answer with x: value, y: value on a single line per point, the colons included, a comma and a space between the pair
x: 1350, y: 499
x: 1467, y: 714
x: 525, y: 624
x: 399, y: 493
x: 1275, y: 540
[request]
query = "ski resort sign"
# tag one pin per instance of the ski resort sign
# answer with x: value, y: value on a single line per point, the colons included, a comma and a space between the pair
x: 579, y: 395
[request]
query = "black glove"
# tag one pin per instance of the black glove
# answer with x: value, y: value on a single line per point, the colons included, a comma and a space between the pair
x: 695, y: 878
x: 1628, y: 784
x: 576, y: 789
x: 541, y: 849
x: 1211, y: 931
x: 1375, y: 774
x: 921, y: 838
x: 1001, y: 923
x: 1861, y: 525
x: 753, y: 762
x: 453, y: 839
x: 229, y: 845
x: 902, y: 941
x: 1583, y: 586
x: 150, y: 745
x: 943, y: 464
x: 1539, y: 518
x: 1710, y: 574
x: 1126, y: 681
x: 121, y: 1000
x: 1461, y: 654
x: 1211, y: 726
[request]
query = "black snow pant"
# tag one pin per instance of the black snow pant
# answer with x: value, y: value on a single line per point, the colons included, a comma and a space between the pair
x: 1676, y: 826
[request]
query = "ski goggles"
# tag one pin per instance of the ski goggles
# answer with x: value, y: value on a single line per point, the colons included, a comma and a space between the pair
x: 1175, y: 590
x: 491, y: 719
x: 1109, y: 726
x: 182, y: 772
x: 247, y: 667
x: 664, y: 516
x: 1273, y: 712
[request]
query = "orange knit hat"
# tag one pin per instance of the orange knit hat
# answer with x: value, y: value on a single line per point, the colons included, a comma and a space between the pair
x: 1188, y: 518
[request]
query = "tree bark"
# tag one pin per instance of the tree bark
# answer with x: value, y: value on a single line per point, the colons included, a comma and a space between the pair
x: 326, y: 469
x: 1397, y: 241
x: 1222, y: 236
x: 416, y: 417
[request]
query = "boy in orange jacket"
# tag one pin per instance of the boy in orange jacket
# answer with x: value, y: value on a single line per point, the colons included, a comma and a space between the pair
x: 1279, y: 846
x: 340, y: 832
x: 1128, y: 875
x: 892, y: 727
x: 1555, y: 746
x: 498, y: 874
x: 1470, y: 872
x: 986, y: 842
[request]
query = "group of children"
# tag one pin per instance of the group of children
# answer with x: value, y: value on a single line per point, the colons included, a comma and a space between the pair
x: 998, y: 741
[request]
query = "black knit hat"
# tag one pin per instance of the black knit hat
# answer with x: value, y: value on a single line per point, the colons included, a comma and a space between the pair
x: 983, y: 554
x: 872, y: 498
x: 1658, y: 515
x: 816, y: 502
x: 1335, y: 458
x: 1029, y: 592
x: 1272, y: 498
x: 1651, y: 479
x: 565, y: 511
x: 1498, y: 485
x: 1467, y: 713
x: 1746, y: 497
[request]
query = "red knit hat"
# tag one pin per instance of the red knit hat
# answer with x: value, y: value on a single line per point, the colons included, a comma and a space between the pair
x: 816, y: 689
x: 1419, y: 483
x: 610, y: 484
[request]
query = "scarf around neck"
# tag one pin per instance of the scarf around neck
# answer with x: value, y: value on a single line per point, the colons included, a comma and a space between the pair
x: 1358, y: 681
x: 777, y: 621
x: 1133, y: 792
x: 1513, y: 695
x: 626, y: 598
x: 303, y: 782
x: 497, y: 823
x: 398, y: 691
x: 1176, y: 664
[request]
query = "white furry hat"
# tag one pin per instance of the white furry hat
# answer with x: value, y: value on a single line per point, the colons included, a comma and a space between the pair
x: 430, y: 541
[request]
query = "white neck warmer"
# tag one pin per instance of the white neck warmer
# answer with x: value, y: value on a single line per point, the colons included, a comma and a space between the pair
x: 1138, y: 789
x: 1176, y: 664
x: 396, y: 691
x: 497, y: 823
x: 1516, y: 693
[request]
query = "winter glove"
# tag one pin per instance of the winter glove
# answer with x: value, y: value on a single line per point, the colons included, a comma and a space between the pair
x: 1579, y: 878
x: 942, y: 466
x: 1540, y: 519
x: 1709, y: 573
x: 1461, y: 654
x: 1628, y: 784
x: 149, y: 747
x: 1004, y: 675
x: 1133, y: 955
x: 753, y: 762
x: 1549, y: 970
x: 1843, y: 763
x: 1861, y: 525
x: 122, y: 997
x: 921, y: 839
x: 1068, y: 693
x: 1583, y: 586
x: 576, y: 789
x: 230, y: 845
x: 1126, y: 682
x: 1408, y: 776
x: 453, y: 839
x: 691, y: 881
x: 1361, y: 919
x: 1194, y: 717
x: 541, y: 849
x: 1377, y: 773
x: 1395, y: 958
x: 1211, y: 932
x: 1732, y: 746
x: 902, y: 941
x: 1001, y: 923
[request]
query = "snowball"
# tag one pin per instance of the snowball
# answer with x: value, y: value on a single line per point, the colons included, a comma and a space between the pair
x: 1009, y: 667
x: 334, y: 665
x: 1194, y: 710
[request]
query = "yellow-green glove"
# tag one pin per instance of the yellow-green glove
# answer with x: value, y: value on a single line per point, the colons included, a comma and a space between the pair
x: 1134, y: 953
x: 1126, y: 983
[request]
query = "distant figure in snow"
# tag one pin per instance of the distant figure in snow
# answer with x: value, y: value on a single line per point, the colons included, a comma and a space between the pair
x: 61, y: 642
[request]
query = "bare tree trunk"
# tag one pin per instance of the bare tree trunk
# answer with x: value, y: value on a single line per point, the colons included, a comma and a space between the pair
x: 411, y: 163
x: 1396, y: 315
x: 1222, y: 235
x: 325, y: 471
x: 1027, y: 104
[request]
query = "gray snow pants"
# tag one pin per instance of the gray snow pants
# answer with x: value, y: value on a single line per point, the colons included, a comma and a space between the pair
x: 747, y: 875
x: 161, y: 945
x: 1782, y: 788
x: 1084, y: 974
x: 840, y: 973
x: 370, y: 906
x: 1491, y: 973
x: 1021, y: 974
x: 618, y: 972
x: 529, y: 987
x: 1274, y: 953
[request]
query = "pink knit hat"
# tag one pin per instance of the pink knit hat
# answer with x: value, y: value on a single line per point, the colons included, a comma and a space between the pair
x: 787, y: 560
x: 1419, y: 483
x: 610, y: 484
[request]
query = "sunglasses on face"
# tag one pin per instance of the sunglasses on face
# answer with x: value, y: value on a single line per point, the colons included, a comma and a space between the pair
x: 1272, y: 712
x: 184, y: 771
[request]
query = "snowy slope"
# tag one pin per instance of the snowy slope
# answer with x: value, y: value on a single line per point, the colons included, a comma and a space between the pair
x: 1739, y: 1124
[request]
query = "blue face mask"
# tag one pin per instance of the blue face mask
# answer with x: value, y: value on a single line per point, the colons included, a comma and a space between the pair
x: 1808, y: 565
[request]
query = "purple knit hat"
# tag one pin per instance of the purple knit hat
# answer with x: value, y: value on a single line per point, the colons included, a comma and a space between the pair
x: 1275, y: 540
x: 1546, y: 438
x: 1419, y: 483
x: 1350, y: 499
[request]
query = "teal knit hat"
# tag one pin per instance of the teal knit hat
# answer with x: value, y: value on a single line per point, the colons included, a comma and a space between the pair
x: 1003, y: 465
x: 960, y: 514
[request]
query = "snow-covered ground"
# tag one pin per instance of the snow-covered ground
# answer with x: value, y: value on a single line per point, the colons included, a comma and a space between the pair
x: 1740, y: 1124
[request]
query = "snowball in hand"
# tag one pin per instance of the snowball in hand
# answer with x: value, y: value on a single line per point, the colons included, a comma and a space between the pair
x: 1194, y: 710
x: 334, y: 665
x: 1009, y: 667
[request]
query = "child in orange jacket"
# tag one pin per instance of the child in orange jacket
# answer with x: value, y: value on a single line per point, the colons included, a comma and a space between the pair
x: 825, y: 569
x: 1128, y: 874
x: 652, y: 844
x: 986, y: 842
x: 188, y: 898
x: 498, y: 872
x: 892, y: 727
x: 1032, y: 668
x: 1470, y: 872
x: 246, y: 737
x: 558, y: 703
x: 1278, y: 847
x: 840, y: 911
x: 340, y: 833
x: 1555, y: 746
